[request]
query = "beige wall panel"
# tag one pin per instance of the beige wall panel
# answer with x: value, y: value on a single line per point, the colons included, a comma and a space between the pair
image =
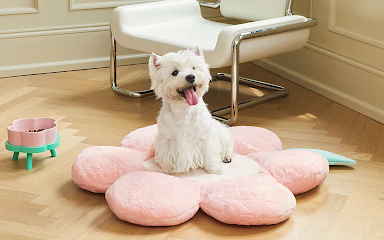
x: 52, y: 53
x: 54, y: 14
x: 344, y: 57
x: 351, y: 18
x: 50, y: 48
x: 302, y: 7
x: 368, y: 98
x: 18, y: 7
x: 336, y: 74
x: 57, y: 13
x: 17, y: 4
x: 63, y: 35
x: 325, y: 37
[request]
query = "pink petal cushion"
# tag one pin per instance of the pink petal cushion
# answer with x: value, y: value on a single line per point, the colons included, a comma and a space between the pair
x: 254, y: 139
x: 96, y: 168
x: 255, y: 190
x: 139, y: 198
x: 298, y: 170
x: 142, y: 140
x: 252, y: 200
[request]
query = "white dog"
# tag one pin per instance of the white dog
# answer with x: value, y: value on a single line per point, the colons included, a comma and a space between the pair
x: 188, y: 137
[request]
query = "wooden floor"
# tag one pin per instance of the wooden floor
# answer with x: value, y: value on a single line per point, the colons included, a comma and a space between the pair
x: 44, y: 203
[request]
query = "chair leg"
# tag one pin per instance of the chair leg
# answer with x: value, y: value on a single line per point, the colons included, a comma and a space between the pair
x: 115, y: 88
x: 235, y: 80
x: 280, y: 92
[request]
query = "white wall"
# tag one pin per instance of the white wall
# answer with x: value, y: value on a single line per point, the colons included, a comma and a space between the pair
x: 344, y: 58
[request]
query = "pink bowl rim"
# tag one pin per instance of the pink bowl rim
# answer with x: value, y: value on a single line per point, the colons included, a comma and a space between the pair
x: 23, y: 119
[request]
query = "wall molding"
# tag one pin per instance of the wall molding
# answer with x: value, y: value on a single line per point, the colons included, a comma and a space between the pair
x: 73, y: 6
x: 323, y: 89
x: 21, y: 10
x: 59, y: 66
x: 36, y: 32
x: 328, y: 52
x: 332, y: 26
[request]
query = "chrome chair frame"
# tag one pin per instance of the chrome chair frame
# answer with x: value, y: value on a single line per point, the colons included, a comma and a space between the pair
x: 235, y: 79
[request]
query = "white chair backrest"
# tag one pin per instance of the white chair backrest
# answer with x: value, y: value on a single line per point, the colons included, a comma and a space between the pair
x: 253, y: 10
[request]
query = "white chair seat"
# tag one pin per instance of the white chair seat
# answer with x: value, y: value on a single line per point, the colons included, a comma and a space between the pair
x: 147, y: 28
x: 191, y: 32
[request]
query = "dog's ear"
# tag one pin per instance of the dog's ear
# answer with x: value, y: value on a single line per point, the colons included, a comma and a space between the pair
x: 154, y: 62
x: 198, y: 52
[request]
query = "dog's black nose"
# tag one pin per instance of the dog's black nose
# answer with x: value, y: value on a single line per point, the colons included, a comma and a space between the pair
x: 190, y: 78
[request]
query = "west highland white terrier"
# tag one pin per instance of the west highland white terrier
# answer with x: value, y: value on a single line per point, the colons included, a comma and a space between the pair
x: 188, y: 137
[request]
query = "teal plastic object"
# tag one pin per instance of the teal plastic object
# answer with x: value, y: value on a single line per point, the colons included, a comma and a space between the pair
x: 29, y: 150
x: 333, y: 158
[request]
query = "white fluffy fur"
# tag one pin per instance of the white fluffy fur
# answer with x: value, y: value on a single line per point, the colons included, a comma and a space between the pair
x: 188, y: 136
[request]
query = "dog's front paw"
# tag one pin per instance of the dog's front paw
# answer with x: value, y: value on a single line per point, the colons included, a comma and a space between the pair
x: 227, y: 159
x: 215, y: 169
x: 166, y: 168
x: 167, y: 171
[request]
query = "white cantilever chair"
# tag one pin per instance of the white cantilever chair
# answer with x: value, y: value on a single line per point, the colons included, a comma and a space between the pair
x: 171, y: 25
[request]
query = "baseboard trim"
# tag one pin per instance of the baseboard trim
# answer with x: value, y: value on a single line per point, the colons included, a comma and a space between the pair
x: 67, y: 65
x: 347, y: 100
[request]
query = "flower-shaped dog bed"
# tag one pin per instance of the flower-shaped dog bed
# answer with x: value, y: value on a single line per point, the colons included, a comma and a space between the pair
x: 257, y: 188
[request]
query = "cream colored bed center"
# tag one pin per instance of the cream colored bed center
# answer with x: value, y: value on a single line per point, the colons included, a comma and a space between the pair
x: 239, y: 167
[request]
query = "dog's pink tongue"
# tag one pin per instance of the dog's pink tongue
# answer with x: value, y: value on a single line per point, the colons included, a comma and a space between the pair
x: 191, y: 96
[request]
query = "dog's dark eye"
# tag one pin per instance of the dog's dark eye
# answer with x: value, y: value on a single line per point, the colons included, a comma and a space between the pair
x: 174, y: 73
x: 193, y: 68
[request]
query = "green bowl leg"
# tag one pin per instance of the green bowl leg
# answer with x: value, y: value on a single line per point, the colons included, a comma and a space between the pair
x: 53, y: 153
x: 29, y: 161
x: 15, y: 156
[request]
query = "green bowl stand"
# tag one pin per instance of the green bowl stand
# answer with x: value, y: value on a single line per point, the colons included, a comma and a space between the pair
x: 29, y: 150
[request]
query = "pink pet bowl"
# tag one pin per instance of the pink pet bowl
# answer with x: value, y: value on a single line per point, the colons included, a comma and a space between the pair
x: 32, y: 135
x: 32, y: 132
